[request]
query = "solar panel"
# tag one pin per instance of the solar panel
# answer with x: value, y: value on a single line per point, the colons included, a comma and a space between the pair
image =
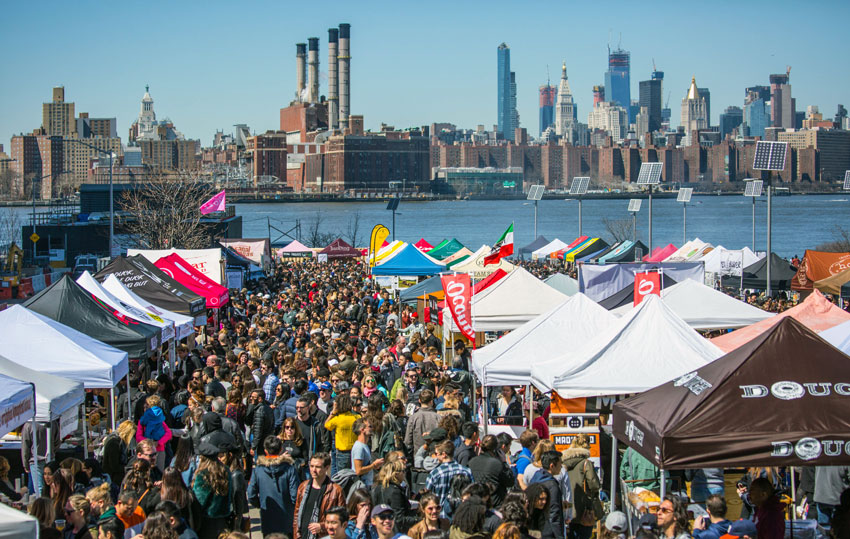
x: 650, y: 174
x: 535, y: 192
x: 753, y: 188
x: 847, y: 180
x: 393, y: 204
x: 579, y: 185
x: 684, y: 194
x: 770, y: 155
x: 634, y: 205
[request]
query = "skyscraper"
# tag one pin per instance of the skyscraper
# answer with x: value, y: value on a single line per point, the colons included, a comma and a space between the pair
x: 650, y: 98
x: 57, y: 117
x: 706, y: 94
x: 504, y: 111
x: 693, y: 112
x: 730, y: 119
x: 547, y: 106
x: 514, y: 111
x: 565, y: 109
x: 617, y: 79
x: 756, y: 115
x: 782, y: 105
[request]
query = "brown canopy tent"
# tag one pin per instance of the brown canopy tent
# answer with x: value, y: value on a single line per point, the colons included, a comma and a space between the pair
x: 782, y: 399
x: 837, y: 284
x: 340, y: 249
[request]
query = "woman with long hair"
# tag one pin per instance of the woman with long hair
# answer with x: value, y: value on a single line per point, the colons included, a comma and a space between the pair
x: 538, y: 510
x: 184, y: 460
x: 139, y: 480
x: 42, y: 509
x: 235, y: 407
x: 60, y: 491
x: 542, y: 447
x: 359, y: 519
x: 390, y: 488
x: 293, y: 444
x: 158, y: 526
x: 211, y: 486
x: 6, y: 486
x: 238, y: 487
x: 429, y: 508
x: 174, y: 489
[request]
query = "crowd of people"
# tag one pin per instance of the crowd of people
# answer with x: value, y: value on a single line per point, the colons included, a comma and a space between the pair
x: 319, y: 400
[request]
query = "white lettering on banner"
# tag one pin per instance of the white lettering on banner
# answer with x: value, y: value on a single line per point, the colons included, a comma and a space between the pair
x: 68, y: 422
x: 810, y: 448
x: 693, y: 383
x: 646, y: 287
x: 788, y: 390
x: 457, y: 297
x: 635, y: 434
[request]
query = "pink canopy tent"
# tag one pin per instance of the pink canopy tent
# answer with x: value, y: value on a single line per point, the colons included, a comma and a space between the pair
x: 183, y: 272
x: 816, y: 312
x: 423, y: 245
x: 661, y: 254
x: 294, y: 247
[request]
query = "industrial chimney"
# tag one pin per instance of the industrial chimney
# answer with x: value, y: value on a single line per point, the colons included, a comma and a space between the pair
x: 313, y: 70
x: 333, y: 84
x: 300, y: 70
x: 344, y: 74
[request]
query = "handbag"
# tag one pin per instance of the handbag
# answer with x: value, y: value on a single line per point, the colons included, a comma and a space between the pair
x: 595, y: 511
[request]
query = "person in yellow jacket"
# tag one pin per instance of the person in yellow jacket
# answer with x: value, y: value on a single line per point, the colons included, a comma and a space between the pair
x: 340, y: 422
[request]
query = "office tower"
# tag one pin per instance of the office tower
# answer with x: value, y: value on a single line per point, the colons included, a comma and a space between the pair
x: 617, y: 79
x: 650, y: 98
x: 782, y: 105
x: 57, y: 117
x: 756, y: 116
x: 547, y: 106
x: 730, y: 118
x: 514, y: 111
x: 693, y: 112
x: 565, y: 109
x: 504, y: 114
x: 610, y: 118
x: 706, y: 94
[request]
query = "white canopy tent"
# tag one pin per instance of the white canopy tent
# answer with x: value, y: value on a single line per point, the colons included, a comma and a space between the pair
x: 562, y: 283
x: 88, y: 282
x: 506, y: 361
x: 17, y: 403
x: 838, y: 336
x: 645, y: 348
x: 546, y: 250
x: 691, y: 250
x: 16, y: 524
x: 184, y: 325
x: 474, y: 265
x: 723, y: 261
x: 54, y: 395
x: 512, y: 301
x: 705, y: 308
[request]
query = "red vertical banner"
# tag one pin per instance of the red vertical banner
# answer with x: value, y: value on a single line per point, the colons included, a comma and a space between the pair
x: 646, y: 284
x: 458, y: 290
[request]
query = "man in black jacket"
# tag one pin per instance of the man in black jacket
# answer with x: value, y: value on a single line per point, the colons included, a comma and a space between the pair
x: 261, y: 418
x: 466, y: 450
x: 228, y: 425
x: 317, y: 439
x: 488, y: 467
x: 212, y: 386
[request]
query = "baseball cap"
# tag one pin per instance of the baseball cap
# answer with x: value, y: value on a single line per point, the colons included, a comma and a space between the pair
x: 326, y: 386
x: 436, y: 435
x: 740, y: 528
x: 616, y: 522
x: 380, y: 509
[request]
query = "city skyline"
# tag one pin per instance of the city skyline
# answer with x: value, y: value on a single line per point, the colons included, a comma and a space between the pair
x: 205, y: 73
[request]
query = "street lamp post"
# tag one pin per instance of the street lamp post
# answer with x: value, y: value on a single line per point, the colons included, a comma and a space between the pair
x: 111, y: 197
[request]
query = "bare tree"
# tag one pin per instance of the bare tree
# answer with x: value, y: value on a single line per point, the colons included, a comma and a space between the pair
x: 315, y: 237
x: 353, y: 228
x: 7, y: 183
x: 165, y: 214
x: 10, y: 227
x: 841, y: 244
x: 619, y: 229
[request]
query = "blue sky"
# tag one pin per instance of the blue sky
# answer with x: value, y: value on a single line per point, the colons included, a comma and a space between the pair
x: 213, y: 64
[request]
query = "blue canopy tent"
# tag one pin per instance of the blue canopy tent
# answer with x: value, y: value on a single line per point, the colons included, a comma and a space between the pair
x: 409, y: 261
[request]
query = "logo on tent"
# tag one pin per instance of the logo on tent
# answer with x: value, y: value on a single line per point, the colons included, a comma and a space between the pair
x: 693, y: 383
x: 634, y: 433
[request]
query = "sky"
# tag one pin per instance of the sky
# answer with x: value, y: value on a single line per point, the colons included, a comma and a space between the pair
x: 213, y: 64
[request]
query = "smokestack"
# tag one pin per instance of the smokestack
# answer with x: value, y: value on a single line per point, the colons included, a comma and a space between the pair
x: 300, y: 70
x: 313, y: 70
x: 344, y: 74
x: 333, y: 84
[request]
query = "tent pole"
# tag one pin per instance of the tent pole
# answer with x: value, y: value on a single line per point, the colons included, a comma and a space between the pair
x: 34, y: 470
x: 172, y: 355
x: 113, y: 406
x: 663, y: 484
x: 793, y: 494
x: 49, y: 441
x: 129, y: 404
x: 530, y: 405
x: 85, y: 433
x: 613, y: 470
x: 485, y: 399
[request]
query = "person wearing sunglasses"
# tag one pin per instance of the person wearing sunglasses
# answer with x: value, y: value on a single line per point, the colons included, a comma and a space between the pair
x: 384, y: 523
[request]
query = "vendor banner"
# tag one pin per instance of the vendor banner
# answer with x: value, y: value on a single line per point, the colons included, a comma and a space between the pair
x: 817, y: 265
x: 68, y: 422
x: 646, y: 284
x: 458, y: 290
x: 255, y: 250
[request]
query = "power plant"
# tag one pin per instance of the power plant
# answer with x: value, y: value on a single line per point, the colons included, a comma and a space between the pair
x: 339, y: 72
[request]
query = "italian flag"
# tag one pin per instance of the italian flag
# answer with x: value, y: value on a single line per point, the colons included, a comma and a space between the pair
x: 504, y: 247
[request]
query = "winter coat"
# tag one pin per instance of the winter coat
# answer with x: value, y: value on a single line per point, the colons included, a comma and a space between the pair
x: 420, y: 528
x: 556, y: 508
x: 395, y: 497
x: 464, y: 453
x: 212, y: 505
x: 583, y: 479
x: 260, y: 418
x: 161, y: 443
x: 487, y: 468
x: 273, y: 488
x: 152, y: 424
x: 332, y: 497
x: 317, y: 439
x: 424, y: 420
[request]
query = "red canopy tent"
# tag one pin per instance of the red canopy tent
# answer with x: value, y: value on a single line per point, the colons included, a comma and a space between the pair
x: 183, y: 272
x: 340, y: 249
x: 423, y: 245
x: 661, y: 254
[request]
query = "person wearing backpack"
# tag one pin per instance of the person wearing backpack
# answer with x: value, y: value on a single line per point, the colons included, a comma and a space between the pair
x: 528, y: 440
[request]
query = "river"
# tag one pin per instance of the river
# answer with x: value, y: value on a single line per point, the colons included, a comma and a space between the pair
x: 799, y: 221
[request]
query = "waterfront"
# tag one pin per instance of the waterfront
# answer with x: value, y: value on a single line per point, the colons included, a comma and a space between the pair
x: 799, y: 221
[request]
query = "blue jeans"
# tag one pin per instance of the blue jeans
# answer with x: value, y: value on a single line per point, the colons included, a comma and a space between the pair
x: 340, y: 460
x: 36, y: 473
x: 825, y: 514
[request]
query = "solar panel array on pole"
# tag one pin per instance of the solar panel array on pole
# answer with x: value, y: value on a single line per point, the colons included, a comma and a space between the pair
x: 650, y: 174
x: 634, y: 205
x: 753, y: 188
x: 579, y: 185
x: 684, y: 194
x: 847, y: 180
x: 535, y: 192
x: 770, y: 155
x: 392, y: 205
